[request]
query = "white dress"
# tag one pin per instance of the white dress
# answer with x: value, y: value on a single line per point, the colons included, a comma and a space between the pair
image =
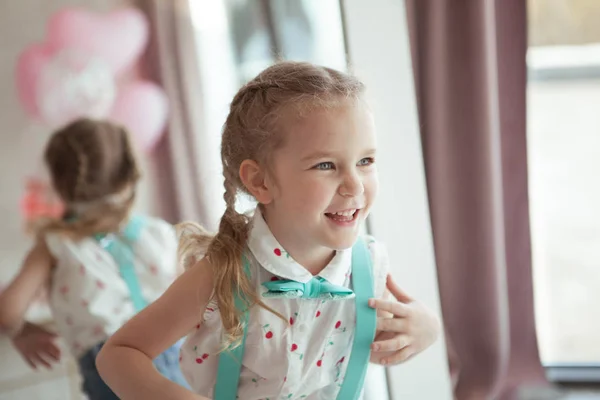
x: 89, y: 299
x: 304, y: 357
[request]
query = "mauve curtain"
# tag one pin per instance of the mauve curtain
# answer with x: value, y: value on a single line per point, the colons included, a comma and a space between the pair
x: 188, y: 187
x: 470, y: 72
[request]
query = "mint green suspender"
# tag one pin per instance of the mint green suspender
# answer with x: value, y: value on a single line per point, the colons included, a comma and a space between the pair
x: 123, y: 254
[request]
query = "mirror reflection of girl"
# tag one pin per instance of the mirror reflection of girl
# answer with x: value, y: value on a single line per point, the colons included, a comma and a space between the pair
x: 95, y: 173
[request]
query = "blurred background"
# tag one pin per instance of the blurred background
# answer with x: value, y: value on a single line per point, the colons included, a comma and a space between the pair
x: 487, y: 114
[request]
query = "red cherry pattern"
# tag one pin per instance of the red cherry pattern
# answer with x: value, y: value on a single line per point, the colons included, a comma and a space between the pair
x: 268, y: 332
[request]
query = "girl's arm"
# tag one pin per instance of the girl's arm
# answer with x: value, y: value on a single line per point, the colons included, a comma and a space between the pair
x: 16, y: 298
x: 125, y: 361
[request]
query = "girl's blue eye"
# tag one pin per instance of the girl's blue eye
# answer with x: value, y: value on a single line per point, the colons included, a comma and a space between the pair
x: 366, y: 161
x: 324, y: 166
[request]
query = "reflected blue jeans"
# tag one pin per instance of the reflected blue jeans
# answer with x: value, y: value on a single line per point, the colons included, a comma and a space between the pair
x: 94, y: 387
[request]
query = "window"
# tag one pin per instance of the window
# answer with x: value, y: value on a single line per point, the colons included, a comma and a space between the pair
x: 564, y: 185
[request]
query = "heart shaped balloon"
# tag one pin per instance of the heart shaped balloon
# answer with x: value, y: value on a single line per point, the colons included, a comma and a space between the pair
x: 142, y: 107
x: 118, y: 38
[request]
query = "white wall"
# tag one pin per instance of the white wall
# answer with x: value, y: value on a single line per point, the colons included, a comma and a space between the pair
x: 377, y: 36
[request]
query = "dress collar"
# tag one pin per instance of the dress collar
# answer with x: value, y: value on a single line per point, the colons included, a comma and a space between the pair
x: 273, y: 257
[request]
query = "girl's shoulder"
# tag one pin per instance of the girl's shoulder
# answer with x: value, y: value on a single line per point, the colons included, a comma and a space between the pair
x: 156, y: 247
x: 60, y: 245
x: 380, y: 263
x: 157, y: 229
x: 151, y: 233
x: 377, y: 249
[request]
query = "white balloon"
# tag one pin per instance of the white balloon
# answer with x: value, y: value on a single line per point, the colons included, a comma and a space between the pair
x: 73, y: 85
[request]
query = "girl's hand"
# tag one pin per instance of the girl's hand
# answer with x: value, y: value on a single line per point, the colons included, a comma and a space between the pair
x: 37, y: 346
x: 408, y: 328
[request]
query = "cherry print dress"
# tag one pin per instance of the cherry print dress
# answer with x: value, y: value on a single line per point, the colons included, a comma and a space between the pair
x: 89, y: 299
x: 304, y: 357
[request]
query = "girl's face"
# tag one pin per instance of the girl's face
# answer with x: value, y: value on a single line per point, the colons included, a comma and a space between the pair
x: 323, y: 180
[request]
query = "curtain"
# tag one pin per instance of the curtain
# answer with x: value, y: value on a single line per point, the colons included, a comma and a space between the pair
x: 470, y: 74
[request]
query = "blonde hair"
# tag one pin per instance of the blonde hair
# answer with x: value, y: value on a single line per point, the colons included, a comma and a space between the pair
x: 89, y: 162
x: 253, y: 130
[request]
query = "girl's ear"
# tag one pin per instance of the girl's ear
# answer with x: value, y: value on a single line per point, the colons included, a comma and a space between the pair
x: 254, y: 178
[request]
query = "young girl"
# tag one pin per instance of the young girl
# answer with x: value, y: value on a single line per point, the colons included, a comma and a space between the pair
x: 277, y: 303
x: 100, y: 264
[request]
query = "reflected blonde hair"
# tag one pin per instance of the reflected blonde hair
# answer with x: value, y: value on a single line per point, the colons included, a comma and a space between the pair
x: 90, y: 161
x: 254, y: 128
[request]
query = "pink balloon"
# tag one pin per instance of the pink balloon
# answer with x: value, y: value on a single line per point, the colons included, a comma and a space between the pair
x: 29, y: 65
x: 142, y: 107
x: 72, y: 85
x: 118, y: 38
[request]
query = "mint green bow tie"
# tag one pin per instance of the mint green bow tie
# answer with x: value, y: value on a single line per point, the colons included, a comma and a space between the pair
x: 316, y: 288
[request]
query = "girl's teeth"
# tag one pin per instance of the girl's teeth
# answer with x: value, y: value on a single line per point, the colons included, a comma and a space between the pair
x: 345, y: 213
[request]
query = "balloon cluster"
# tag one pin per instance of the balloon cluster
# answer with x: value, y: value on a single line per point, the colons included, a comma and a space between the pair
x: 83, y: 68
